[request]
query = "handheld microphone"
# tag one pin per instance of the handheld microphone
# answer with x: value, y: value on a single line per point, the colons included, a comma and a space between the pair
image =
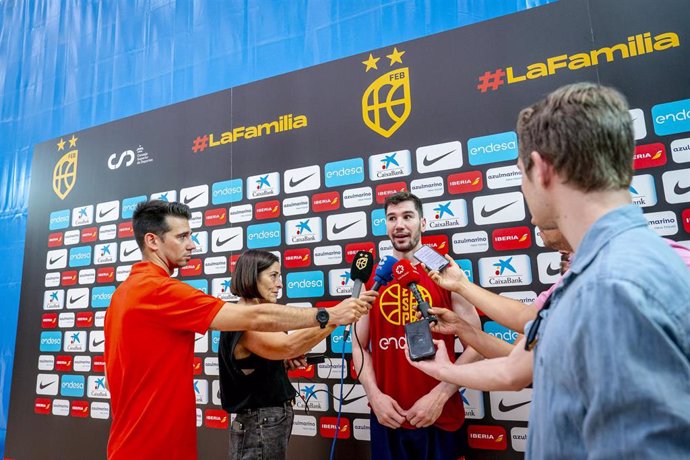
x: 420, y: 344
x: 407, y: 275
x: 384, y: 272
x: 360, y: 272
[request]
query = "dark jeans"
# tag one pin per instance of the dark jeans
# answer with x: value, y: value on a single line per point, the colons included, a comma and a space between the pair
x: 261, y: 434
x: 428, y: 443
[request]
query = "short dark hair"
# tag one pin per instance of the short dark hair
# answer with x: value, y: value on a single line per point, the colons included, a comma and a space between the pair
x: 400, y: 197
x: 247, y: 269
x: 585, y: 131
x: 149, y: 217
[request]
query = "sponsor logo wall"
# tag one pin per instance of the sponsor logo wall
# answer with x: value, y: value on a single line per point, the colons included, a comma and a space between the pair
x: 306, y: 178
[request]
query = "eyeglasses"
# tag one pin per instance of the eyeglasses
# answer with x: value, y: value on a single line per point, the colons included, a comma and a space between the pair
x: 532, y: 340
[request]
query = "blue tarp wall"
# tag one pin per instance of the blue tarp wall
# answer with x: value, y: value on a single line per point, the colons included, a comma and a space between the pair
x: 67, y: 65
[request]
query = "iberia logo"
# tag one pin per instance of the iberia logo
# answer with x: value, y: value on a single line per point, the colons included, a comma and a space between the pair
x: 65, y: 171
x: 386, y: 103
x: 398, y: 305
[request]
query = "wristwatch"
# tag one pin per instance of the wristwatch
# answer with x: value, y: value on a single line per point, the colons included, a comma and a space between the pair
x: 322, y: 317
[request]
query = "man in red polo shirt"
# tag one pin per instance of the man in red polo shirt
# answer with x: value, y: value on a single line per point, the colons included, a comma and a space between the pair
x: 149, y: 332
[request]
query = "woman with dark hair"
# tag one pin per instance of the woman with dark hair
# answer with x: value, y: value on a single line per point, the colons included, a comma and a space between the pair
x: 253, y: 380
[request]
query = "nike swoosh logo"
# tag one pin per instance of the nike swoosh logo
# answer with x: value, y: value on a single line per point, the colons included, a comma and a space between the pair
x: 95, y: 343
x: 220, y: 242
x: 127, y: 253
x: 52, y: 261
x: 678, y: 190
x: 103, y: 214
x: 295, y: 183
x: 348, y: 401
x: 507, y: 408
x: 337, y: 229
x: 427, y: 162
x: 188, y: 200
x: 553, y: 271
x: 199, y: 338
x: 72, y: 299
x: 486, y: 213
x: 43, y: 386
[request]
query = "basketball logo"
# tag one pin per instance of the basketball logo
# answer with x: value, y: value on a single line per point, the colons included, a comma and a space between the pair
x: 398, y: 305
x: 386, y: 103
x: 65, y: 174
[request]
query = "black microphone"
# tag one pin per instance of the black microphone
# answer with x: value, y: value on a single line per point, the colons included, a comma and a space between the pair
x: 360, y: 272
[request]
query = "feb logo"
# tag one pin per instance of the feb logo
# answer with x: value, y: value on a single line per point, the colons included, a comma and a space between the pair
x: 398, y: 305
x: 65, y: 171
x: 386, y: 103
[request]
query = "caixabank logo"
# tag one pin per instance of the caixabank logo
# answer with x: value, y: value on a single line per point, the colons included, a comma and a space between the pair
x: 65, y: 171
x: 386, y: 103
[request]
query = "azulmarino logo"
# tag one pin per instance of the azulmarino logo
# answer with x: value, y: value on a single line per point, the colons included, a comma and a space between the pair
x: 305, y: 284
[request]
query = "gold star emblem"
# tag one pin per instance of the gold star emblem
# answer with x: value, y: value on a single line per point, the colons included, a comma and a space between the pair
x: 371, y: 62
x: 73, y: 141
x: 61, y: 144
x: 395, y: 56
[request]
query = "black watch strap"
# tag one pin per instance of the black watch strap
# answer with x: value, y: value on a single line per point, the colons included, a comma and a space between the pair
x: 322, y: 317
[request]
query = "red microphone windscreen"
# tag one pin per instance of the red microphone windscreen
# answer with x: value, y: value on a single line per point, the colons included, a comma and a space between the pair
x: 405, y: 273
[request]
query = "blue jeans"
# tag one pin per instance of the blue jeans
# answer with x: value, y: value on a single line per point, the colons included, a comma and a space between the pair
x: 261, y: 434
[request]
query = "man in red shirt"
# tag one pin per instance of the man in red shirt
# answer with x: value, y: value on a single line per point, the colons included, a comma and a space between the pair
x: 149, y: 332
x: 413, y: 415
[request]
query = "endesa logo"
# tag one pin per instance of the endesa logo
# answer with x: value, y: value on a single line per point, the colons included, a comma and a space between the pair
x: 101, y: 295
x: 216, y: 418
x: 193, y: 268
x: 79, y: 257
x: 344, y: 172
x: 59, y: 219
x: 329, y: 429
x: 352, y: 248
x: 383, y: 191
x: 55, y: 239
x: 72, y: 385
x: 296, y: 258
x: 264, y: 235
x: 437, y: 242
x: 378, y: 222
x: 493, y: 148
x: 305, y: 284
x: 267, y: 210
x: 324, y: 202
x: 216, y: 216
x: 501, y: 332
x: 487, y: 437
x: 671, y: 117
x: 229, y: 191
x: 649, y: 156
x: 507, y: 239
x: 130, y: 204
